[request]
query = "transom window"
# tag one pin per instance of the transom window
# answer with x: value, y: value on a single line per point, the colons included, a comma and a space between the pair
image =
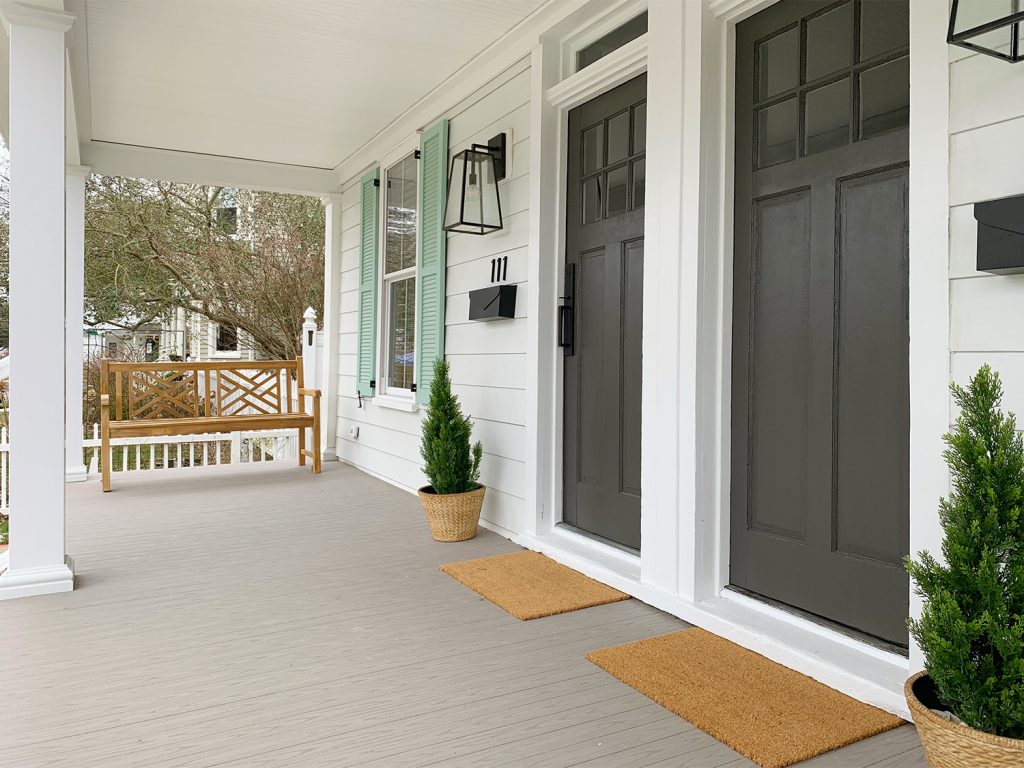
x: 611, y: 42
x: 839, y: 76
x: 401, y: 218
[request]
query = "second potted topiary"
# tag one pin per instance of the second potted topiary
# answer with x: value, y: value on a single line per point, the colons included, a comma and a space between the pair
x: 969, y: 706
x: 454, y: 498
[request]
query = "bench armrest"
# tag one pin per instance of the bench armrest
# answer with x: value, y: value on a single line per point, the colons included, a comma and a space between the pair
x: 303, y: 392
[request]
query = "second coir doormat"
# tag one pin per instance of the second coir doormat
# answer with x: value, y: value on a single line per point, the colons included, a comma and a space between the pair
x: 530, y: 586
x: 763, y: 710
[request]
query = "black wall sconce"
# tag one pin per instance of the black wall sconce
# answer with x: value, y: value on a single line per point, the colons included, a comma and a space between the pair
x: 474, y: 204
x: 983, y: 26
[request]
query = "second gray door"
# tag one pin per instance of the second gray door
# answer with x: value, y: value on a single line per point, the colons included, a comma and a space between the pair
x: 820, y: 392
x: 605, y: 268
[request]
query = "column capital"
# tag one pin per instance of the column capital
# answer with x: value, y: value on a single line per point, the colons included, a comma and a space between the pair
x: 78, y: 170
x: 26, y: 15
x: 331, y: 198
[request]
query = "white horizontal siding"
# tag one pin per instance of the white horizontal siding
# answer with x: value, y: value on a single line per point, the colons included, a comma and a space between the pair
x: 986, y: 161
x: 488, y: 359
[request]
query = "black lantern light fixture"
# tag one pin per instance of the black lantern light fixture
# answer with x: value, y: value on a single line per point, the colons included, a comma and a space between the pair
x: 474, y: 205
x: 988, y: 26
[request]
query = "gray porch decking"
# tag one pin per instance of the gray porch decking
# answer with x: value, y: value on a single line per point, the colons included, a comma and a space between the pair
x: 261, y: 616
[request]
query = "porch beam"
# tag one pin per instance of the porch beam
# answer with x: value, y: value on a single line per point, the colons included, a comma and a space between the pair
x: 194, y: 168
x: 37, y: 561
x: 74, y: 312
x: 331, y: 320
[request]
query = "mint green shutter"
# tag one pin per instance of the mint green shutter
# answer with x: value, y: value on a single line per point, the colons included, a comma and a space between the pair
x: 431, y: 262
x: 366, y: 352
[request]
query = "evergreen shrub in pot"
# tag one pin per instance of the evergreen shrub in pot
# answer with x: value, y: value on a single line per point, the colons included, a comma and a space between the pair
x: 969, y: 703
x: 453, y: 500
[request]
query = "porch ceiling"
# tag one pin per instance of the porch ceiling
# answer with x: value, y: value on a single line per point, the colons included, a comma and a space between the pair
x: 301, y: 82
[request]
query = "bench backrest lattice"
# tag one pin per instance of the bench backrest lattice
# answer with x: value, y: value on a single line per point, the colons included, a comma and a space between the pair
x: 195, y: 390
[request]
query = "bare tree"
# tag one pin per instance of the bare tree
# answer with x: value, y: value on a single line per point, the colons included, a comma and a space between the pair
x: 154, y: 246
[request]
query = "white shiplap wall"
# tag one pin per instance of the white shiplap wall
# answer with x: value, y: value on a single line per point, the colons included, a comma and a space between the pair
x: 986, y: 162
x: 488, y: 360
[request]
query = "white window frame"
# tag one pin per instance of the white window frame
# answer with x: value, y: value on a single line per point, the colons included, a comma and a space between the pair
x: 386, y: 394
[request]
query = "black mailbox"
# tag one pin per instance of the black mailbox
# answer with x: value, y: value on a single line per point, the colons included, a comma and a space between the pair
x: 492, y: 303
x: 1001, y: 236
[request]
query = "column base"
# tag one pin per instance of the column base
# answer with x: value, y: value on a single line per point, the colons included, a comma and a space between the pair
x: 38, y: 581
x: 76, y: 474
x: 328, y: 454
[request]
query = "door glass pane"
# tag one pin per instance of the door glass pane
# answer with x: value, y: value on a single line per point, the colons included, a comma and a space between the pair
x: 614, y: 40
x: 778, y: 64
x: 591, y: 200
x: 618, y: 138
x: 776, y: 133
x: 829, y: 42
x: 884, y: 26
x: 402, y: 332
x: 593, y: 148
x: 618, y: 191
x: 827, y: 117
x: 639, y: 128
x: 639, y: 177
x: 885, y: 97
x: 402, y: 204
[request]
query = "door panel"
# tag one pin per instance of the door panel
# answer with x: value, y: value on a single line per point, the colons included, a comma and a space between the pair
x: 820, y: 495
x: 604, y: 247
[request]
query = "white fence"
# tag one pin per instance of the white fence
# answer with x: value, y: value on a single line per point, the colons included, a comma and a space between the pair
x: 175, y: 453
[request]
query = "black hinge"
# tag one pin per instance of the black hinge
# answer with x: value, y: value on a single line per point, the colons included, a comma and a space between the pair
x: 373, y: 383
x: 412, y: 388
x: 417, y: 153
x: 376, y: 182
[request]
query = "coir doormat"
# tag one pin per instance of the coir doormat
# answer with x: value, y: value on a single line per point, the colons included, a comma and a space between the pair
x: 763, y: 710
x: 530, y: 586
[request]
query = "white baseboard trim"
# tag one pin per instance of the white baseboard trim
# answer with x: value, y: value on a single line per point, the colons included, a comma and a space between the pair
x: 38, y: 581
x: 76, y: 474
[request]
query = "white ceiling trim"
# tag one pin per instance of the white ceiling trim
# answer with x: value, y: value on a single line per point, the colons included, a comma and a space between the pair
x: 191, y: 168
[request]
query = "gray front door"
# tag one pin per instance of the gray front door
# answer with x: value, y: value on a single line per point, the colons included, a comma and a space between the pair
x: 604, y: 277
x: 820, y: 392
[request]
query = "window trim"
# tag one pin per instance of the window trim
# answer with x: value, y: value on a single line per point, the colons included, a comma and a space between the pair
x: 396, y: 394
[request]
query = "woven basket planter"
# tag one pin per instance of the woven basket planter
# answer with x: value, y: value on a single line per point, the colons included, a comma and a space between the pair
x: 952, y: 745
x: 452, y: 516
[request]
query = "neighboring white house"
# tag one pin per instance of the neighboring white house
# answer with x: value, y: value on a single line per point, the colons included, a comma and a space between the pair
x: 742, y: 235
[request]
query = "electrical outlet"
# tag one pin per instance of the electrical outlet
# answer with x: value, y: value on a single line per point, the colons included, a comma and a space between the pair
x: 353, y: 431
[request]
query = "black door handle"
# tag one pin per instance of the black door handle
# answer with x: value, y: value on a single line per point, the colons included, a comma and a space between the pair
x: 566, y: 314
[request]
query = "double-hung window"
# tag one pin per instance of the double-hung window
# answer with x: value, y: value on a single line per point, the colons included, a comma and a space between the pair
x: 401, y: 272
x: 398, y: 276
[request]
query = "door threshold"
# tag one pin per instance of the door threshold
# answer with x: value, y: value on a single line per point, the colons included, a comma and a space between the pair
x: 851, y: 632
x: 597, y: 538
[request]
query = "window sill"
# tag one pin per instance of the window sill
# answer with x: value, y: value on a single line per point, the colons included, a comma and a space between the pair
x: 407, y: 404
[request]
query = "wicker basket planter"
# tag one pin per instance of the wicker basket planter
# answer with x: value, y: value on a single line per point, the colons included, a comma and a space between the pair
x: 452, y: 516
x: 951, y: 745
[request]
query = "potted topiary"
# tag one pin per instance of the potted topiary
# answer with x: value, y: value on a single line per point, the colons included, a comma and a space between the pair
x: 969, y: 703
x: 453, y: 500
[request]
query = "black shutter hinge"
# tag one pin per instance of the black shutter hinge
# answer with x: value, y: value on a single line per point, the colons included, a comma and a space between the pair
x: 376, y: 182
x: 417, y: 153
x: 412, y: 388
x: 373, y: 383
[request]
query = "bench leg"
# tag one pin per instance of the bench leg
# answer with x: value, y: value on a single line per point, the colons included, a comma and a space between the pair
x: 315, y: 445
x: 105, y: 460
x: 302, y: 446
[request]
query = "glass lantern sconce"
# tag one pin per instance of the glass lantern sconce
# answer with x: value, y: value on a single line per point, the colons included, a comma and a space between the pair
x: 988, y: 26
x: 474, y: 203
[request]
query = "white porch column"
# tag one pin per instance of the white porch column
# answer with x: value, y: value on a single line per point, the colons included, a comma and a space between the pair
x: 74, y: 302
x: 37, y: 562
x: 332, y: 316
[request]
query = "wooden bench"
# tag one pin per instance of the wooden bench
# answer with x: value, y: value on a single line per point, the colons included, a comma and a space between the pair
x: 155, y: 399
